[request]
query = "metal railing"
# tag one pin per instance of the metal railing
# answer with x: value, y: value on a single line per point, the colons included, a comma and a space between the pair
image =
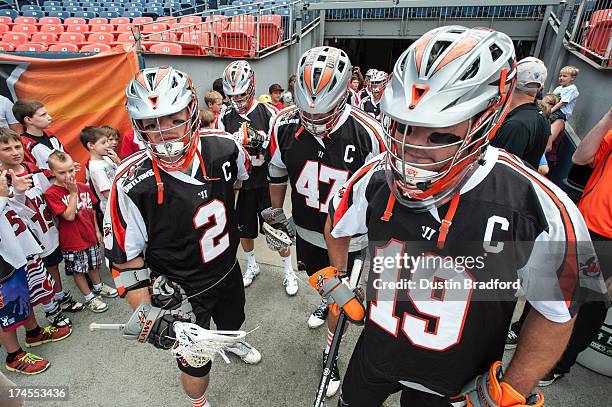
x: 246, y: 31
x: 447, y: 12
x: 591, y: 33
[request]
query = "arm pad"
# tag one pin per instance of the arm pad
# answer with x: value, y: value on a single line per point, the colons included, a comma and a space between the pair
x: 130, y: 279
x: 277, y: 175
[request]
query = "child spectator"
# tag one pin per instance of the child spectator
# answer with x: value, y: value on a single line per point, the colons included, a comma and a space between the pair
x: 561, y: 112
x: 276, y: 92
x: 72, y: 203
x: 112, y: 134
x: 214, y: 102
x: 38, y: 143
x: 547, y: 103
x: 100, y: 168
x: 208, y: 120
x: 31, y: 206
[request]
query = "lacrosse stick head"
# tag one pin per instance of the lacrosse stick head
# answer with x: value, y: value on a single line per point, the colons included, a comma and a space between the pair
x: 197, y: 345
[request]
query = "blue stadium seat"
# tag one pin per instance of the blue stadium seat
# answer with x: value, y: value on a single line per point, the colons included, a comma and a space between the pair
x: 59, y: 14
x: 95, y: 9
x: 108, y: 14
x: 9, y: 12
x: 29, y: 7
x: 74, y: 9
x: 132, y: 14
x: 52, y: 3
x: 85, y: 14
x: 154, y: 11
x: 88, y: 4
x: 33, y: 13
x: 71, y: 3
x: 46, y: 9
x: 115, y: 9
x: 134, y: 7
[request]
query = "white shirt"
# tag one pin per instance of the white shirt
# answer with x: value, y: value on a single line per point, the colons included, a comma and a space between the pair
x: 6, y: 112
x: 568, y: 94
x: 100, y: 175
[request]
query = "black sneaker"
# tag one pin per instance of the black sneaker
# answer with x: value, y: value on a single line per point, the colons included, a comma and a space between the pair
x: 68, y: 304
x: 334, y: 377
x: 511, y: 339
x: 58, y: 319
x: 550, y: 378
x: 318, y: 316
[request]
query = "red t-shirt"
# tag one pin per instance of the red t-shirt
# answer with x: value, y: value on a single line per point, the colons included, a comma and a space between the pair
x: 279, y: 105
x: 80, y: 234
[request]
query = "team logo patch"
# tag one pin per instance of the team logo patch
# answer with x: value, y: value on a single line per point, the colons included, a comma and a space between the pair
x: 591, y: 268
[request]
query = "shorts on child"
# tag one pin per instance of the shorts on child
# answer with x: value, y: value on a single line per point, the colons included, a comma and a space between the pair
x: 53, y: 259
x: 14, y: 301
x: 557, y: 115
x: 40, y: 282
x: 83, y: 261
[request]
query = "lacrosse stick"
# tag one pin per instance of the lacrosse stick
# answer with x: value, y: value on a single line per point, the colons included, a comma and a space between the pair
x: 335, y: 345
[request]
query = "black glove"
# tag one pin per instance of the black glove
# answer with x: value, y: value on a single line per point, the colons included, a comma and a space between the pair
x: 166, y: 294
x: 162, y: 334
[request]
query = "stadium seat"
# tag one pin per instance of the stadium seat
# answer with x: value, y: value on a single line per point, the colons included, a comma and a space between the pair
x: 52, y: 3
x: 100, y: 38
x: 270, y: 34
x: 101, y: 28
x: 31, y: 47
x: 59, y: 14
x: 196, y: 43
x: 4, y: 28
x: 120, y: 20
x: 72, y: 21
x: 162, y: 37
x: 243, y: 18
x: 273, y: 19
x: 132, y: 14
x: 95, y: 9
x: 30, y: 7
x: 167, y: 20
x: 99, y: 20
x: 25, y: 20
x: 126, y: 37
x: 29, y: 29
x: 166, y: 48
x: 116, y: 9
x: 123, y: 28
x: 52, y: 28
x: 71, y: 38
x: 74, y: 9
x: 63, y: 47
x: 191, y: 20
x: 95, y: 47
x: 77, y: 28
x: 33, y: 13
x: 109, y: 14
x: 9, y: 13
x: 6, y: 20
x: 153, y: 11
x: 5, y: 46
x: 49, y: 20
x: 15, y: 38
x: 142, y: 20
x: 238, y: 40
x: 153, y: 28
x: 86, y: 14
x: 44, y: 38
x: 48, y: 9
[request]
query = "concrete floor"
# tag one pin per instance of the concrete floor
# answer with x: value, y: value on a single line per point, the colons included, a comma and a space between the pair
x: 102, y: 369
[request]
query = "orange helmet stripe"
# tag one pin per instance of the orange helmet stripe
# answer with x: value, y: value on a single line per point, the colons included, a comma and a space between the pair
x: 460, y: 48
x: 307, y: 78
x: 420, y: 46
x: 325, y: 78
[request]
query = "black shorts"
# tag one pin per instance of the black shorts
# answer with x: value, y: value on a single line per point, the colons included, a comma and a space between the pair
x: 363, y: 386
x: 224, y: 303
x: 556, y: 115
x: 53, y: 259
x: 250, y: 204
x: 312, y: 258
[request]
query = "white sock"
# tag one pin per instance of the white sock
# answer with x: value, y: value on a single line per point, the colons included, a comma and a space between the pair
x: 89, y: 296
x: 97, y: 287
x: 200, y: 402
x: 59, y: 296
x: 287, y: 264
x: 50, y: 307
x: 251, y: 258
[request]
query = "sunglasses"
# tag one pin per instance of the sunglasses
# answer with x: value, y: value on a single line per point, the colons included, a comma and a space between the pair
x: 433, y: 138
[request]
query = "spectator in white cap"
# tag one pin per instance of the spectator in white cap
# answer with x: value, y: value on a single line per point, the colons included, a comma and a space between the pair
x: 525, y: 130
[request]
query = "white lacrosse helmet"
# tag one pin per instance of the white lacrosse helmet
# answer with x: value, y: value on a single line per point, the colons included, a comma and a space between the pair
x: 369, y: 74
x: 162, y: 91
x: 321, y: 88
x: 239, y: 85
x: 449, y: 75
x: 378, y: 82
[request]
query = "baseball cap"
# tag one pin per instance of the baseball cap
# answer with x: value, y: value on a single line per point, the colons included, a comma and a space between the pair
x: 530, y: 70
x: 276, y: 88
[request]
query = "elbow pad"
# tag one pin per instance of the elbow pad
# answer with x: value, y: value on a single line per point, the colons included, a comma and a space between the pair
x: 130, y: 279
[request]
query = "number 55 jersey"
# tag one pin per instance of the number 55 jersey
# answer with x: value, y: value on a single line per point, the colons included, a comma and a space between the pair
x: 442, y: 289
x: 191, y: 236
x: 318, y: 167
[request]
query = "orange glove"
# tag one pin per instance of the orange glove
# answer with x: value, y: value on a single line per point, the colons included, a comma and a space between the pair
x: 327, y: 282
x: 486, y: 391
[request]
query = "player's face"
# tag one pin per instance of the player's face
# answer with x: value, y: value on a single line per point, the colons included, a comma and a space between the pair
x: 215, y: 107
x: 101, y: 146
x: 429, y: 137
x: 41, y: 119
x: 166, y: 128
x: 11, y: 153
x: 113, y: 142
x: 565, y: 79
x: 63, y: 172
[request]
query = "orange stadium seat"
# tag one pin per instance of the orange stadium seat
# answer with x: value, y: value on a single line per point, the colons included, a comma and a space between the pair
x: 123, y: 28
x: 272, y: 18
x: 15, y: 38
x: 167, y: 20
x: 4, y: 28
x: 32, y: 47
x: 191, y: 20
x: 24, y: 28
x: 96, y: 21
x: 5, y: 20
x: 72, y: 38
x: 5, y: 46
x: 25, y: 20
x: 243, y: 18
x: 142, y: 20
x: 63, y: 47
x: 238, y: 40
x: 44, y: 38
x: 270, y: 34
x: 77, y: 28
x: 95, y: 47
x: 100, y: 38
x: 153, y: 28
x: 195, y: 42
x: 49, y: 20
x: 166, y: 48
x: 52, y: 28
x: 119, y: 20
x: 74, y: 20
x: 124, y: 38
x: 101, y: 28
x: 162, y: 37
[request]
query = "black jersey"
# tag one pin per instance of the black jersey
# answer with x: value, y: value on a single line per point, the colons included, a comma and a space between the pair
x: 438, y: 328
x: 192, y: 237
x: 318, y: 167
x: 373, y: 109
x: 364, y: 93
x: 260, y: 117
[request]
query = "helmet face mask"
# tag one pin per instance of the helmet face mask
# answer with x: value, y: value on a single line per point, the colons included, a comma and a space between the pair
x: 164, y: 111
x: 239, y: 85
x: 450, y: 76
x: 378, y: 83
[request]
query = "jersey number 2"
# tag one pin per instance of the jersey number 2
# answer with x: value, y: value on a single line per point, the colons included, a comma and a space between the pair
x: 307, y: 183
x: 212, y: 216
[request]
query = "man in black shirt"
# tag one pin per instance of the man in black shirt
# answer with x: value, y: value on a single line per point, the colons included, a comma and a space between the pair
x: 525, y: 130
